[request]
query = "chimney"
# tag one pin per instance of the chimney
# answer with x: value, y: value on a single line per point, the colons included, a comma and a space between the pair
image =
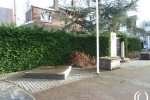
x: 56, y: 4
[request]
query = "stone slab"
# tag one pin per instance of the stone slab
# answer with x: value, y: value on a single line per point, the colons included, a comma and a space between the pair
x: 49, y: 72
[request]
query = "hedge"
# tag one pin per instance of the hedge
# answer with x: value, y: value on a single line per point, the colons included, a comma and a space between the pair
x: 134, y: 44
x: 23, y: 48
x: 87, y: 44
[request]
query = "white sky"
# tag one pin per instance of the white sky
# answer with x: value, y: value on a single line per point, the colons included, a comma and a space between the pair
x: 143, y: 7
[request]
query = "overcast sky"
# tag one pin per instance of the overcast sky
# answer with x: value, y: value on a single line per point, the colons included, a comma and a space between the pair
x: 143, y: 7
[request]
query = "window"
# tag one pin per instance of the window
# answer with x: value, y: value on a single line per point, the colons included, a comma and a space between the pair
x: 147, y: 24
x: 46, y: 16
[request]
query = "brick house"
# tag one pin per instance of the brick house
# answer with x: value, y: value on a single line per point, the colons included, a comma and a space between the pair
x: 45, y: 17
x: 49, y: 18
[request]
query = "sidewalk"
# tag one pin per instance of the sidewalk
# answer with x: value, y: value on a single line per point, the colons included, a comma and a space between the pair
x: 36, y: 85
x: 120, y: 84
x: 96, y: 88
x: 83, y: 84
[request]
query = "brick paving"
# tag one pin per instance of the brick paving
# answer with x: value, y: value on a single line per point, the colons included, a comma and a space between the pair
x: 37, y: 85
x: 10, y: 91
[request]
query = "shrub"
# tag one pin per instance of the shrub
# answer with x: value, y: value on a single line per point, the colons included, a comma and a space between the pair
x: 104, y: 46
x: 87, y: 44
x: 134, y: 44
x: 23, y: 48
x: 82, y: 60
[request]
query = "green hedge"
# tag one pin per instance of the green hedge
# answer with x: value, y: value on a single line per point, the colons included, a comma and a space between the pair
x: 131, y: 43
x: 87, y: 44
x: 134, y: 44
x: 24, y: 48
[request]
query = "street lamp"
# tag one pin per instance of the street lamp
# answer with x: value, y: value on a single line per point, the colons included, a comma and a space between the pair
x: 14, y: 13
x: 97, y: 37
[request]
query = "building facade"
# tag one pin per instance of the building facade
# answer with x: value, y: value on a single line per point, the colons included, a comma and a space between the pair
x: 50, y: 17
x: 6, y: 16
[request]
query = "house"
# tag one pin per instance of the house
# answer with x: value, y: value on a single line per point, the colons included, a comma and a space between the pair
x: 146, y: 25
x: 145, y: 39
x: 6, y: 16
x: 50, y: 17
x: 44, y: 17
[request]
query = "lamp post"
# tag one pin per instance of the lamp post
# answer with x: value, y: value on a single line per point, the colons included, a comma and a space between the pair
x: 14, y: 12
x: 97, y: 37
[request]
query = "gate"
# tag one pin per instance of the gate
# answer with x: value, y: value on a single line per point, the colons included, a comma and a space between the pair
x: 118, y: 43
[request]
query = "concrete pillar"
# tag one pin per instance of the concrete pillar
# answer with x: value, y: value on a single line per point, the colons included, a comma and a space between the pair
x: 122, y: 50
x: 113, y: 39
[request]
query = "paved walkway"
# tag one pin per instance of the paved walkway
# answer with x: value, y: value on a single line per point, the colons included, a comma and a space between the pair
x: 86, y: 85
x: 135, y: 64
x: 36, y: 85
x: 96, y: 88
x: 120, y: 84
x: 10, y: 91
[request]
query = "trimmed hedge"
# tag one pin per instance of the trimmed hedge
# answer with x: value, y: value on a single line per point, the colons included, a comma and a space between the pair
x: 23, y: 48
x: 87, y: 44
x: 134, y: 44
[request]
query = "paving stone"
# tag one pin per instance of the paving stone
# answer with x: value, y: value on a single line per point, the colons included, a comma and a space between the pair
x: 135, y: 64
x: 9, y: 91
x: 35, y: 85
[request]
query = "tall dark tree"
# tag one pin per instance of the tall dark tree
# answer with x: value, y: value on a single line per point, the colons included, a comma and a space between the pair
x: 76, y: 17
x: 113, y: 13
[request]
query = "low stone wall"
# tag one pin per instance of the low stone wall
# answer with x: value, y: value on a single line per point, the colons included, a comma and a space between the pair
x: 109, y: 64
x: 145, y: 56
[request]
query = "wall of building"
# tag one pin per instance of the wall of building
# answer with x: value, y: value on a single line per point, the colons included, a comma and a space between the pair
x: 36, y: 13
x: 29, y: 15
x: 6, y: 15
x: 146, y: 25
